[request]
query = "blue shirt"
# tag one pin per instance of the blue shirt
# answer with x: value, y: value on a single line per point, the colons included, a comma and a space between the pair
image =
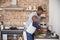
x: 36, y: 25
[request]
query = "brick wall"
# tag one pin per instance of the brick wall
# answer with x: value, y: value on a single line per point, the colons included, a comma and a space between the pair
x: 17, y: 17
x: 14, y: 18
x: 5, y: 3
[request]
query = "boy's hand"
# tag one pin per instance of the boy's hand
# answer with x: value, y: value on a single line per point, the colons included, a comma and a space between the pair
x: 36, y: 25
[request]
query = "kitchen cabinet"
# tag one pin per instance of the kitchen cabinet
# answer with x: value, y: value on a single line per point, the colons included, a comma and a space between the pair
x: 5, y: 34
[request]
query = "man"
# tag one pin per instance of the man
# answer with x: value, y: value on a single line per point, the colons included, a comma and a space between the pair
x: 32, y: 23
x: 38, y: 13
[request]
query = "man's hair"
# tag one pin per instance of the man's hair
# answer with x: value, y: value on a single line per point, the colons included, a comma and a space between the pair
x: 40, y: 8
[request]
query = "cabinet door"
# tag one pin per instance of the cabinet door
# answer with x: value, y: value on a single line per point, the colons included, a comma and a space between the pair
x: 4, y: 36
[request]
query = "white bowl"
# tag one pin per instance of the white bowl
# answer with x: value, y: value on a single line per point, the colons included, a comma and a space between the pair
x: 7, y: 27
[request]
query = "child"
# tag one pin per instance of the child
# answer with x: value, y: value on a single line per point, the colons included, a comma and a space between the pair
x: 32, y: 28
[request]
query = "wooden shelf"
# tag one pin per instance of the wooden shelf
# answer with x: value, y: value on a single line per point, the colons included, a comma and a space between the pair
x: 2, y: 8
x: 20, y: 9
x: 29, y: 10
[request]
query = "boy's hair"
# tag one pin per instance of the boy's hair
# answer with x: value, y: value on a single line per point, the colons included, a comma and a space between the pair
x: 35, y: 19
x: 34, y: 16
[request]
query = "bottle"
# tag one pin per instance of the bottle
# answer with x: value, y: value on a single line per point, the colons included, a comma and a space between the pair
x: 30, y: 7
x: 34, y: 7
x: 1, y: 25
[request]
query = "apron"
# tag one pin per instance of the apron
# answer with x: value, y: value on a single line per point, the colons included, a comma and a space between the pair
x: 28, y: 34
x: 31, y: 29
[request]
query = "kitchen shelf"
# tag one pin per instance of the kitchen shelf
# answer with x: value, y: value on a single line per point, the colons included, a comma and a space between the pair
x: 3, y: 8
x: 30, y: 10
x: 19, y: 9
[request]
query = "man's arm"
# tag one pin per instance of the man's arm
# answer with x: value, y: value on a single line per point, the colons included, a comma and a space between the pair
x: 29, y: 21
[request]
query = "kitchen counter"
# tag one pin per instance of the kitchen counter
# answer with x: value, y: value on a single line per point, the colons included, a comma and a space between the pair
x: 57, y: 37
x: 21, y: 32
x: 46, y: 39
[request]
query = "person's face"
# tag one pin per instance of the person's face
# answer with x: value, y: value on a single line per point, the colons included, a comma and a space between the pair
x: 39, y: 12
x: 35, y: 19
